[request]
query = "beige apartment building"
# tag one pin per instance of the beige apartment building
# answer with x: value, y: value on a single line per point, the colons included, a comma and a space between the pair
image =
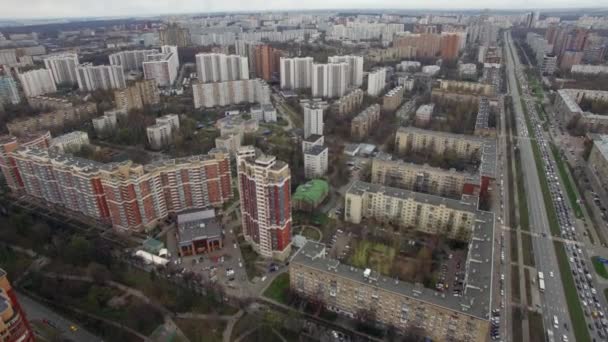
x: 392, y: 100
x: 348, y: 291
x: 144, y: 92
x: 598, y: 158
x: 362, y: 124
x: 462, y: 91
x: 411, y: 139
x: 53, y: 120
x: 348, y: 103
x: 421, y: 178
x: 423, y: 212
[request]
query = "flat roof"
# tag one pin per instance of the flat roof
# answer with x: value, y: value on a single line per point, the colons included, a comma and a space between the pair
x: 475, y: 300
x: 197, y: 224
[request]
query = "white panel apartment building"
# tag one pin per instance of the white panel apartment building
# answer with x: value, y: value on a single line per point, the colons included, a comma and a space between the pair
x: 296, y: 73
x: 329, y: 80
x: 217, y: 67
x: 130, y: 60
x: 315, y: 156
x: 313, y: 118
x: 355, y: 68
x: 207, y: 95
x: 94, y: 77
x: 63, y: 67
x: 37, y: 82
x: 162, y: 67
x: 376, y: 81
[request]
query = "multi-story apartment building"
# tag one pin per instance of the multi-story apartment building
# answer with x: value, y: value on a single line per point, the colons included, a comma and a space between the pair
x: 362, y: 124
x: 142, y: 93
x: 161, y: 133
x: 172, y: 34
x: 230, y: 142
x: 462, y: 91
x: 348, y: 103
x: 350, y: 291
x: 207, y: 95
x: 355, y: 68
x: 567, y: 106
x: 598, y: 158
x: 454, y: 218
x: 570, y: 58
x: 218, y: 67
x: 411, y: 139
x: 63, y: 68
x: 53, y: 120
x: 329, y: 80
x: 589, y: 69
x: 266, y: 61
x: 94, y: 77
x: 296, y: 73
x: 106, y: 123
x: 128, y: 195
x: 313, y: 117
x: 8, y: 91
x: 162, y: 67
x: 61, y: 179
x: 8, y: 144
x: 376, y: 81
x: 265, y: 196
x: 37, y: 82
x: 315, y: 156
x: 482, y: 121
x: 14, y: 326
x: 72, y: 141
x: 47, y: 102
x: 131, y: 60
x: 392, y: 100
x: 423, y: 178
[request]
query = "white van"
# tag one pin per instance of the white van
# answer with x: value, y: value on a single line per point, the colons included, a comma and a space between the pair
x: 555, y: 322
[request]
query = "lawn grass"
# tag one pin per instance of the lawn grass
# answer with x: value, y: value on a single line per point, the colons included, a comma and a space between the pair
x: 527, y: 250
x: 536, y: 326
x: 197, y: 330
x: 14, y: 263
x: 515, y: 294
x: 570, y: 188
x: 528, y: 287
x: 516, y: 319
x: 514, y: 254
x: 278, y: 289
x: 522, y: 201
x: 599, y: 267
x: 376, y: 256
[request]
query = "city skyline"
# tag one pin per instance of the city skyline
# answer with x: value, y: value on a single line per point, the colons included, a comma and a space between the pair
x: 139, y: 8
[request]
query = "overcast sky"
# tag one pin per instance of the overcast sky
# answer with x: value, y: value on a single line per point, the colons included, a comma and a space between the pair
x: 80, y: 8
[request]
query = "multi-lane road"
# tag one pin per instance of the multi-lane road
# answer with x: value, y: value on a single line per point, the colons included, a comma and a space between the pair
x: 554, y: 303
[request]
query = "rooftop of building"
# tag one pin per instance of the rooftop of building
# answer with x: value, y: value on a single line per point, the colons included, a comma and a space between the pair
x: 385, y: 157
x: 422, y: 131
x: 312, y: 191
x: 466, y: 203
x: 570, y: 96
x: 601, y: 143
x: 316, y: 150
x: 197, y: 224
x: 476, y: 298
x: 313, y: 138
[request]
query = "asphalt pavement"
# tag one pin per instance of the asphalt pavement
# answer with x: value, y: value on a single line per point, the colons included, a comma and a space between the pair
x: 39, y: 312
x: 554, y: 301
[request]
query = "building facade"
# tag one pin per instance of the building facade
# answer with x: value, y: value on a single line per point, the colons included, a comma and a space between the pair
x: 376, y: 81
x: 37, y: 82
x: 313, y: 118
x: 329, y: 80
x: 8, y: 91
x: 14, y: 326
x: 411, y: 139
x: 218, y: 67
x: 265, y: 196
x: 207, y: 95
x: 63, y: 68
x: 162, y: 67
x: 362, y: 124
x: 348, y: 103
x: 131, y: 60
x: 106, y: 77
x: 296, y: 73
x: 355, y: 68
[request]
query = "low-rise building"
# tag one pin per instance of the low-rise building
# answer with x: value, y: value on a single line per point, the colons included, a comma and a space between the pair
x: 310, y: 195
x: 467, y: 71
x: 409, y: 66
x: 198, y: 232
x: 431, y: 70
x: 362, y: 124
x: 237, y: 125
